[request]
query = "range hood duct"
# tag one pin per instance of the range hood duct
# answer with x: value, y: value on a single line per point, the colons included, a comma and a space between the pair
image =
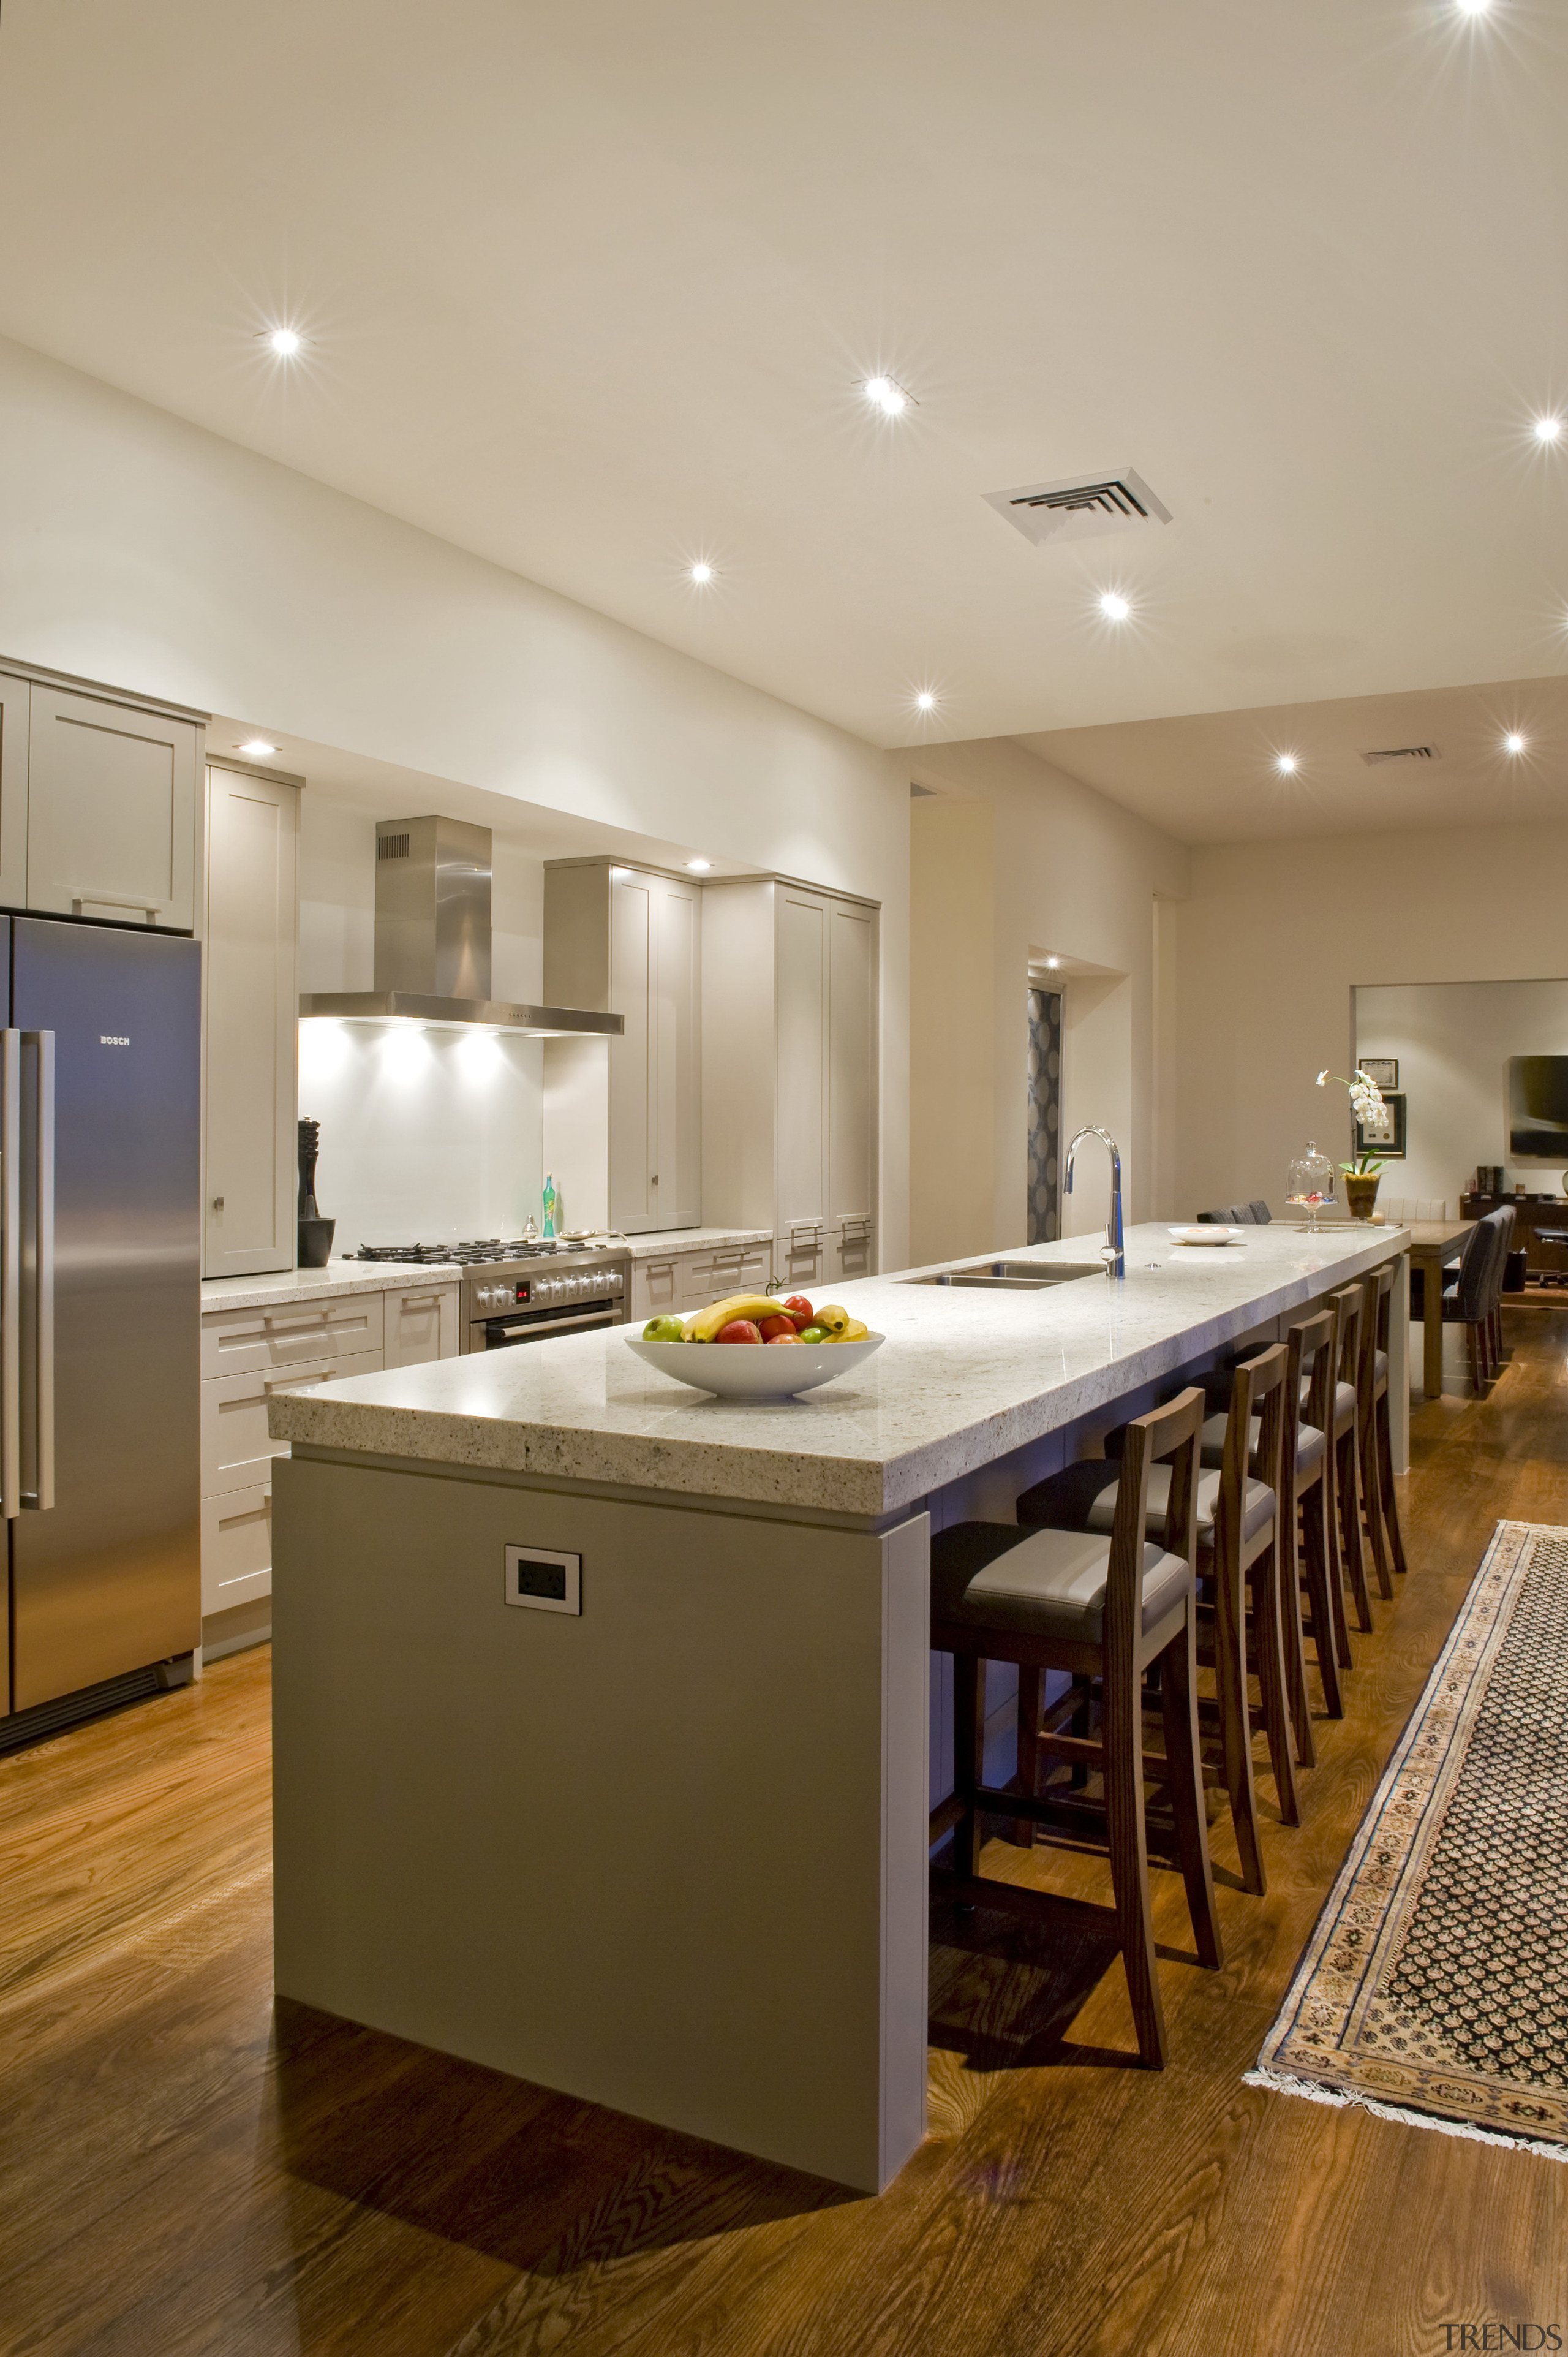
x: 432, y: 941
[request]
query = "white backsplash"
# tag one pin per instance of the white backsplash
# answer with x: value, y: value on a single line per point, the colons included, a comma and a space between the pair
x: 426, y: 1135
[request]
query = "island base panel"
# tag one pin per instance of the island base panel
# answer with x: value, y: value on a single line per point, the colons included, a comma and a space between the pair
x: 669, y: 1855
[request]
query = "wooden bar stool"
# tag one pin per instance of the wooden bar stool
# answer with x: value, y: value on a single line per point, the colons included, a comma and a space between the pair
x: 1104, y: 1609
x: 1348, y: 1305
x: 1383, y: 1437
x: 1312, y: 1512
x: 1238, y: 1566
x: 1366, y: 1372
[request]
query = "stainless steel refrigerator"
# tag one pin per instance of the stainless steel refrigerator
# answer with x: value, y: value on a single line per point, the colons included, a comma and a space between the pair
x: 99, y: 1309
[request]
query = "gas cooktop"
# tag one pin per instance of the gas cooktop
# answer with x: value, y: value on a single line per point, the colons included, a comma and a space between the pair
x: 473, y: 1254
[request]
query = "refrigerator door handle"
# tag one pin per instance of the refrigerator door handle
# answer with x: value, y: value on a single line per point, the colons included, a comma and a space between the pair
x: 10, y: 1272
x: 42, y: 1497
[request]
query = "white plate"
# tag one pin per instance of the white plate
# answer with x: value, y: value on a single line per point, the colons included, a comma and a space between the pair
x: 753, y: 1371
x: 1205, y: 1234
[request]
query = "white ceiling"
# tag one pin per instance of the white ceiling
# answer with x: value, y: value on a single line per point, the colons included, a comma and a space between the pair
x: 590, y: 290
x: 1211, y: 777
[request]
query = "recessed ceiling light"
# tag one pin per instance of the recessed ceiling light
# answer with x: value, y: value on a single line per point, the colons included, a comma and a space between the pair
x: 699, y: 866
x: 1513, y: 742
x: 1548, y: 429
x: 1287, y: 764
x: 1473, y: 8
x: 701, y: 573
x: 1053, y: 964
x: 284, y: 341
x: 884, y: 395
x: 1114, y: 606
x: 925, y: 701
x: 257, y: 747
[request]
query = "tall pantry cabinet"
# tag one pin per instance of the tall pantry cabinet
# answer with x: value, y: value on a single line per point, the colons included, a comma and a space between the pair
x: 251, y: 1031
x: 790, y: 1072
x: 623, y: 1118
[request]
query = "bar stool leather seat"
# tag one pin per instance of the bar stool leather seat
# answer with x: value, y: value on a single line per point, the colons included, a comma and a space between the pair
x: 1083, y: 1496
x: 1044, y: 1583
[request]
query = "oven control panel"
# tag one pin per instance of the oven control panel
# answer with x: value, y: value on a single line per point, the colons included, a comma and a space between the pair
x: 542, y: 1292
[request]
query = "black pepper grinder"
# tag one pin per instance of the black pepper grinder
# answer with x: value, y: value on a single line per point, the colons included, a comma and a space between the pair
x: 314, y: 1232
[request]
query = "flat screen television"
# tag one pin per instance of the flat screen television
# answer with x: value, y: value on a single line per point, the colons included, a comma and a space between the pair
x: 1538, y: 1108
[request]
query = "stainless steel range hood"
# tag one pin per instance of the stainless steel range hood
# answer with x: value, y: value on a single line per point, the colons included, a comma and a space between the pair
x: 433, y: 942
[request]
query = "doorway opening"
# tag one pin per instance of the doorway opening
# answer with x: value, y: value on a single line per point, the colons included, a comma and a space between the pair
x: 1044, y: 1079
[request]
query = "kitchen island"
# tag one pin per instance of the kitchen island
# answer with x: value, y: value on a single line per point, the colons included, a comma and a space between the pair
x: 602, y: 1706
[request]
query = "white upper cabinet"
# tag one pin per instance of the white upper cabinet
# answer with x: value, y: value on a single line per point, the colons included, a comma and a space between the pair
x: 14, y: 696
x: 800, y: 1179
x: 252, y: 991
x: 625, y: 941
x: 852, y: 1066
x: 112, y: 811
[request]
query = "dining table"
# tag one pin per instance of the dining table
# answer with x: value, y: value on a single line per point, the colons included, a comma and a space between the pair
x: 1435, y: 1246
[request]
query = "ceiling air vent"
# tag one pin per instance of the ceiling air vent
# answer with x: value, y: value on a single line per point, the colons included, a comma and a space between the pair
x: 1081, y: 507
x: 1401, y: 753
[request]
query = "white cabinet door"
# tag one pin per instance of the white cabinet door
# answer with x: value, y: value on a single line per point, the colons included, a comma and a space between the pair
x: 112, y: 811
x: 676, y: 1189
x: 655, y: 1116
x: 633, y: 993
x: 852, y: 1068
x: 800, y: 1147
x: 421, y: 1325
x: 13, y: 693
x: 252, y: 1026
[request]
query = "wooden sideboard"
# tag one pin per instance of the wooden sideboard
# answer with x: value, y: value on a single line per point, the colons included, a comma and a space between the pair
x: 1530, y: 1217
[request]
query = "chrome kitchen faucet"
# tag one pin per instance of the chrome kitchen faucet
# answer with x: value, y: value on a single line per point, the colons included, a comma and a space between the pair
x: 1115, y: 1259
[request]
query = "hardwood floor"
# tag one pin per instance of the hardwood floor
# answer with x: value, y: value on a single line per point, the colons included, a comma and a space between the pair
x: 182, y: 2172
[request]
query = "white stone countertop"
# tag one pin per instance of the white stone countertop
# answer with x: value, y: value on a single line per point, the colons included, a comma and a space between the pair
x: 962, y: 1379
x: 668, y: 1242
x: 339, y: 1277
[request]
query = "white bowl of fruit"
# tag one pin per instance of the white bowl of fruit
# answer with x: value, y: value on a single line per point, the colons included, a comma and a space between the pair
x: 755, y: 1346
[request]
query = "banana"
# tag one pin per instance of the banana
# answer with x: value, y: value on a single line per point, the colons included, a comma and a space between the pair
x: 855, y: 1332
x: 704, y: 1324
x: 833, y: 1320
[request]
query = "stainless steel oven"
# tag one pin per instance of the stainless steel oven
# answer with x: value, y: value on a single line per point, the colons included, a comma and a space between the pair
x: 533, y: 1300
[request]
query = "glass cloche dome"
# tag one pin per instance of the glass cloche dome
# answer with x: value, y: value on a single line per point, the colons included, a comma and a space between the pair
x: 1309, y: 1185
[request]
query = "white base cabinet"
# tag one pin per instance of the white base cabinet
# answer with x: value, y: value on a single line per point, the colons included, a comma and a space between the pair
x: 688, y: 1281
x: 248, y: 1356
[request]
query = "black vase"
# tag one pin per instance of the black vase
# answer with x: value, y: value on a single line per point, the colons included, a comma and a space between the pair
x: 314, y: 1232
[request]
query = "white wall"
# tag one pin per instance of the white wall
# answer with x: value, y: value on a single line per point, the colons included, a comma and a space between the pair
x: 141, y: 551
x: 1272, y: 944
x: 1454, y: 1040
x: 1010, y: 859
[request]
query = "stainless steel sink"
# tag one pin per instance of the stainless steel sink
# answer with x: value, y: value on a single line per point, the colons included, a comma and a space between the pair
x: 1013, y: 1275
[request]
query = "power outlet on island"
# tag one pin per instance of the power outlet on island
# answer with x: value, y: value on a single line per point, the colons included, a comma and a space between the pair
x: 542, y: 1580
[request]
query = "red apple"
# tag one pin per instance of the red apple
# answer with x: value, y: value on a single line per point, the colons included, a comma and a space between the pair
x: 740, y: 1330
x: 771, y: 1329
x: 799, y: 1310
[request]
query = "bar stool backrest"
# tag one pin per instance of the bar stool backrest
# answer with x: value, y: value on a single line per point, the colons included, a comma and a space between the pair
x: 1172, y: 1431
x: 1486, y: 1252
x: 1349, y: 1307
x: 1314, y: 1339
x: 1264, y: 1381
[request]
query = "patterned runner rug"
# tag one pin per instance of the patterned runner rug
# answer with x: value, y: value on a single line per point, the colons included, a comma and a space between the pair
x: 1436, y: 1985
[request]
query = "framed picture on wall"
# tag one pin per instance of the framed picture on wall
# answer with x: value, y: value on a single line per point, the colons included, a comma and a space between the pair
x: 1383, y: 1071
x: 1384, y: 1138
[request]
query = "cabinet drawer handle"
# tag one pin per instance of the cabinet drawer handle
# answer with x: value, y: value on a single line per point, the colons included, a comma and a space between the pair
x: 150, y: 908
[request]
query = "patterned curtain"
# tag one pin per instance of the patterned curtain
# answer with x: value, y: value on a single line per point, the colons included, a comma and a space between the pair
x: 1045, y: 1114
